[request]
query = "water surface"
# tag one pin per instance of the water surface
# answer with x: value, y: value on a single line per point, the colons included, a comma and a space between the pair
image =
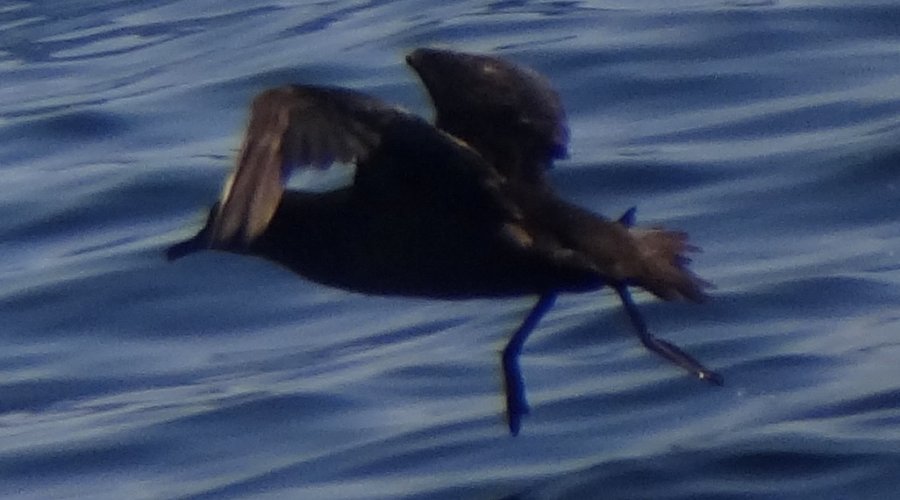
x: 768, y: 130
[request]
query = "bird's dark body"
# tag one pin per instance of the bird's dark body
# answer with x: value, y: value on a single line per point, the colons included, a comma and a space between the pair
x: 344, y: 240
x: 448, y: 228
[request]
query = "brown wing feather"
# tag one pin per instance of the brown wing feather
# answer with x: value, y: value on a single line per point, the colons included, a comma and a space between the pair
x: 293, y: 127
x: 508, y: 113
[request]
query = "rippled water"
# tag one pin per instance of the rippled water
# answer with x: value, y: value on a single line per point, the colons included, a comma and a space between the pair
x: 768, y: 130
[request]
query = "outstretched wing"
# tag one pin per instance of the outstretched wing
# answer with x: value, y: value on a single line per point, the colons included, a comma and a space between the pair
x: 293, y: 127
x: 508, y: 113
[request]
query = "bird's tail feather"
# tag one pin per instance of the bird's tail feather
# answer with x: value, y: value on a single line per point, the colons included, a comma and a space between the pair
x: 664, y: 265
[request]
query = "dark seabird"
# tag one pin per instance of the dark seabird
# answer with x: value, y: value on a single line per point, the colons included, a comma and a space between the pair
x: 456, y: 210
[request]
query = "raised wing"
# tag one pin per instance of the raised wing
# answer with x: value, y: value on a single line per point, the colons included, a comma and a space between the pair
x: 508, y: 113
x: 293, y: 127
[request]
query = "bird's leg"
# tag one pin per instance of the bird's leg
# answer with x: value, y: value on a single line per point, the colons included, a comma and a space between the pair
x: 665, y: 349
x: 514, y: 384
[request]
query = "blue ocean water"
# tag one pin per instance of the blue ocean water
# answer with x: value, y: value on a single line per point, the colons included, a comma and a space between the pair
x: 768, y: 130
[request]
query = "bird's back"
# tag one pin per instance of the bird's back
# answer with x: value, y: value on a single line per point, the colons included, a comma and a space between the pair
x: 458, y: 238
